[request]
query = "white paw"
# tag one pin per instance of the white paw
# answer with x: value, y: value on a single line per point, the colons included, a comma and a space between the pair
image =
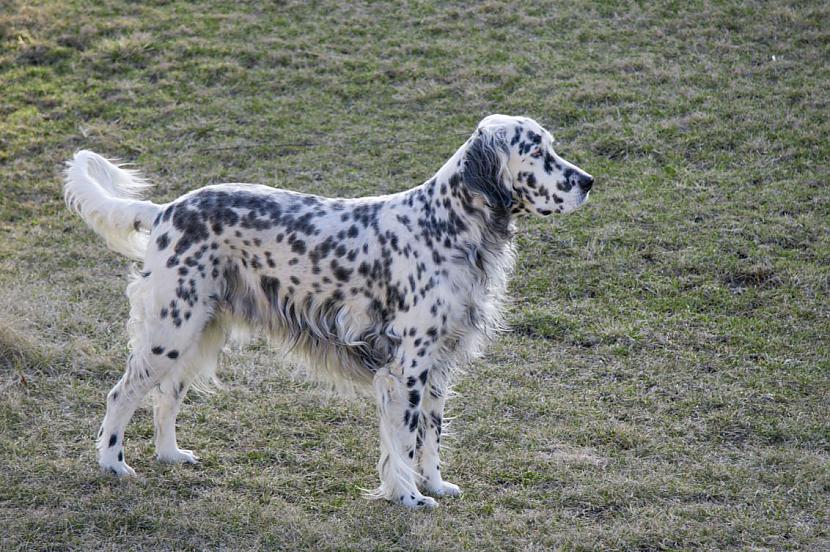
x: 177, y: 456
x: 417, y: 501
x: 443, y: 488
x: 121, y: 469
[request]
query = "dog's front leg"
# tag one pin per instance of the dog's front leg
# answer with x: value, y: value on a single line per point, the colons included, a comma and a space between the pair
x: 399, y: 409
x: 429, y: 433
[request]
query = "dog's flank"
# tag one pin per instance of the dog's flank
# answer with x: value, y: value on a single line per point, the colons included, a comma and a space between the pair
x: 384, y: 295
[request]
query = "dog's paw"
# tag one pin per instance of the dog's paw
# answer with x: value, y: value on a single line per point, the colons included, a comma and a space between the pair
x: 417, y: 501
x: 177, y: 456
x: 443, y: 488
x: 119, y: 469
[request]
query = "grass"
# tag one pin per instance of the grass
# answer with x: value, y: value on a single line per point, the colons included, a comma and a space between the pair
x: 666, y: 383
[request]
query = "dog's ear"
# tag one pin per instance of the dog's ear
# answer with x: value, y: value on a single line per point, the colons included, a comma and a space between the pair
x: 485, y: 168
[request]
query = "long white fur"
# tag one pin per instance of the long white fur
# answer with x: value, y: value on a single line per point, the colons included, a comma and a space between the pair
x: 105, y: 195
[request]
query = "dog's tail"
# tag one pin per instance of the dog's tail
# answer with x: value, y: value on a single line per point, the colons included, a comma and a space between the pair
x: 108, y: 199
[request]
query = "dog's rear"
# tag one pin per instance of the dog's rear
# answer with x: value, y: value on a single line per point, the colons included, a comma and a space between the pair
x: 107, y: 198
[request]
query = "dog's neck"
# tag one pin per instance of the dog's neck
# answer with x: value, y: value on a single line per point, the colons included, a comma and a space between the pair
x: 448, y: 203
x: 447, y: 212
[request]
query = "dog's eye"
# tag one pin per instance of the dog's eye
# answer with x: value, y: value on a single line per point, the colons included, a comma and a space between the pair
x: 537, y: 152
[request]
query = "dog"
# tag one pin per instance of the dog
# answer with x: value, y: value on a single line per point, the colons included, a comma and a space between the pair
x: 384, y: 295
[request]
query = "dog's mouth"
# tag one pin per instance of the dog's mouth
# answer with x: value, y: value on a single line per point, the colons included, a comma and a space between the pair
x: 574, y: 204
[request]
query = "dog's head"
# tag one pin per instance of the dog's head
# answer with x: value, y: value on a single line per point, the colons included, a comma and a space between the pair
x: 511, y: 162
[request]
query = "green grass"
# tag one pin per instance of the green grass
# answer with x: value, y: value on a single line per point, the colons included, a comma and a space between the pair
x: 666, y: 385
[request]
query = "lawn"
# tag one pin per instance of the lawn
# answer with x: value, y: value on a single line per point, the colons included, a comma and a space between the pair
x: 666, y: 381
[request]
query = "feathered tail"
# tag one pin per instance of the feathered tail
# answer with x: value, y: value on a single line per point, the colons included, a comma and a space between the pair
x: 108, y: 199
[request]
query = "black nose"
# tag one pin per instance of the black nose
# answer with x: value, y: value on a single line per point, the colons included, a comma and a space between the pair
x: 586, y: 182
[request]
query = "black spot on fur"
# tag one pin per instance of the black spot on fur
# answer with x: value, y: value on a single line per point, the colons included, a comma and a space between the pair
x: 271, y: 287
x: 113, y: 439
x: 436, y: 421
x: 549, y: 163
x: 341, y: 273
x: 298, y: 247
x: 157, y: 350
x: 190, y: 223
x: 567, y: 184
x: 174, y: 354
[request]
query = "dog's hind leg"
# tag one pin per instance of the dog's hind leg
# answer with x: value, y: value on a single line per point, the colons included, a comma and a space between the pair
x: 171, y: 392
x: 166, y: 326
x: 168, y: 398
x: 140, y: 377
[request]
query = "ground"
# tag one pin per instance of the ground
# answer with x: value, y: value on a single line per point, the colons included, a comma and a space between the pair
x: 665, y: 384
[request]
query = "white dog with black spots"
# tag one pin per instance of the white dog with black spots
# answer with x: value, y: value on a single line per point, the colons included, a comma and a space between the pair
x: 384, y: 294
